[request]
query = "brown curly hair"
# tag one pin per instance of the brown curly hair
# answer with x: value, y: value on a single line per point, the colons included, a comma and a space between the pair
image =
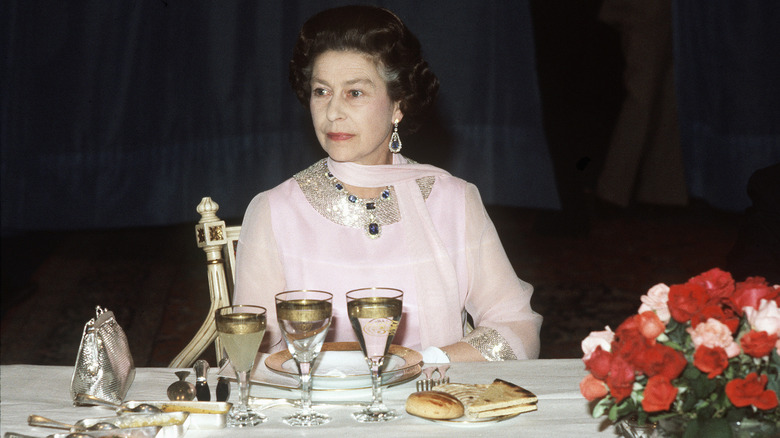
x: 378, y: 33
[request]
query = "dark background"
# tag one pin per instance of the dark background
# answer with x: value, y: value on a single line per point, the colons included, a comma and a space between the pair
x: 119, y: 113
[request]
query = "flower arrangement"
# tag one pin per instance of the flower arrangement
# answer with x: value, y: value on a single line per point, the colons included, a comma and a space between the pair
x: 704, y: 353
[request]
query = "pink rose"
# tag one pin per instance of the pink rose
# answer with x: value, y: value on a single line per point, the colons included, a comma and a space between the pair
x: 601, y: 339
x: 766, y: 318
x: 593, y: 388
x: 714, y: 333
x: 650, y: 325
x: 656, y: 300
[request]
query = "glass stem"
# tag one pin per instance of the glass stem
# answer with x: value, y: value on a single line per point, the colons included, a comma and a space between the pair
x: 305, y: 370
x: 243, y: 390
x: 376, y: 388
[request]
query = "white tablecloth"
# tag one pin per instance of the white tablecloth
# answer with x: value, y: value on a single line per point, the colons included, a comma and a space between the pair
x: 562, y: 411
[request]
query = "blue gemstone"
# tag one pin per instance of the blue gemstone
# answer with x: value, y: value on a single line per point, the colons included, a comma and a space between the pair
x: 352, y: 198
x: 370, y: 206
x: 395, y: 145
x: 373, y: 229
x: 339, y: 186
x: 385, y: 194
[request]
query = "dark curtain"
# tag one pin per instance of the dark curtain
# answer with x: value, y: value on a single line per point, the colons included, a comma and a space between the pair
x: 727, y: 59
x: 126, y: 113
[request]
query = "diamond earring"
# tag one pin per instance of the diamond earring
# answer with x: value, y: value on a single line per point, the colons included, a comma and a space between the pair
x: 395, y: 141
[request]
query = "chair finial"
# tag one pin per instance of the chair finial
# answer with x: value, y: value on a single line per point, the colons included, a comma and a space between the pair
x: 208, y: 210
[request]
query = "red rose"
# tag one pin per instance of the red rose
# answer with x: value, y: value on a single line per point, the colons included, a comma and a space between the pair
x: 710, y: 360
x: 593, y: 388
x: 758, y: 344
x: 629, y: 343
x: 662, y: 360
x: 659, y: 394
x: 686, y: 300
x: 750, y: 292
x: 621, y: 379
x: 599, y: 363
x: 717, y: 283
x: 720, y: 310
x: 650, y: 325
x: 751, y: 391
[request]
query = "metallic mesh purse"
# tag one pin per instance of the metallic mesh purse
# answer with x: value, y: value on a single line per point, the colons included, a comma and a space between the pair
x: 104, y: 365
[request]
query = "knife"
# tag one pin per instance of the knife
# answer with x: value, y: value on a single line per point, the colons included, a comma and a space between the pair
x: 201, y: 385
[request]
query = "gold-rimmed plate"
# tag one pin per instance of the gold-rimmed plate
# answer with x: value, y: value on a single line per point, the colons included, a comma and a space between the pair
x: 341, y: 365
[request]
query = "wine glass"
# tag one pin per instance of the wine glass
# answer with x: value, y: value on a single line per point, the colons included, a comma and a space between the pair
x: 304, y: 318
x: 241, y: 330
x: 375, y: 313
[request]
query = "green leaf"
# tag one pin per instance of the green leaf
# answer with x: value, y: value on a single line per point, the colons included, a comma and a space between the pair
x: 602, y: 406
x: 708, y: 428
x: 628, y: 406
x: 613, y: 413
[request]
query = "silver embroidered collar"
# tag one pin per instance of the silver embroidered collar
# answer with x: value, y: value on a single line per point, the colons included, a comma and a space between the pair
x: 328, y: 196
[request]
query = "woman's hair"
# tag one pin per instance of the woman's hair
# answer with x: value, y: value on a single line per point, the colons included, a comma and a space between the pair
x: 378, y: 33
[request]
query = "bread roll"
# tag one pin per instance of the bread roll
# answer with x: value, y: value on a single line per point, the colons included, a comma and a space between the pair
x: 434, y: 405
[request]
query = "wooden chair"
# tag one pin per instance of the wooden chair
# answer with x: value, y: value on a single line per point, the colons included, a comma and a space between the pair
x: 219, y: 242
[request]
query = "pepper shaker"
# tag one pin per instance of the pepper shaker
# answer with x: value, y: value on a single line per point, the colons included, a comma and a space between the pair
x: 201, y: 384
x: 223, y: 385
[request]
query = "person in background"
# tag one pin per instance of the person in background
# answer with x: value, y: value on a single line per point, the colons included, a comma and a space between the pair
x: 367, y: 216
x: 757, y: 249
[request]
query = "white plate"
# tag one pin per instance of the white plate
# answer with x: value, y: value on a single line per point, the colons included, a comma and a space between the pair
x: 341, y: 365
x: 468, y: 422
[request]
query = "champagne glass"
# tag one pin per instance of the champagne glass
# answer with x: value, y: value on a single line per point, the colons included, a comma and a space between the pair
x: 241, y: 330
x: 304, y: 318
x: 375, y: 313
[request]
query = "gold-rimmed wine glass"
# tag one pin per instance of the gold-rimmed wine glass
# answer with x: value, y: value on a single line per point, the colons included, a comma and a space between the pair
x: 375, y: 313
x: 241, y: 330
x: 304, y: 318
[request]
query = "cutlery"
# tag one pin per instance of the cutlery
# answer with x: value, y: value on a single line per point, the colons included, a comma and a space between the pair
x: 429, y: 382
x: 143, y: 408
x: 37, y: 420
x: 70, y: 435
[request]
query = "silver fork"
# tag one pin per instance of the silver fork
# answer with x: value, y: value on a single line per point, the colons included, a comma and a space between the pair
x: 429, y: 382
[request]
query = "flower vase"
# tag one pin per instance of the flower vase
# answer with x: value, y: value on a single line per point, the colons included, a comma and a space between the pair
x: 750, y: 428
x: 630, y: 428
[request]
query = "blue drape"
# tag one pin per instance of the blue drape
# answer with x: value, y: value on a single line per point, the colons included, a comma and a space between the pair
x: 118, y: 113
x: 728, y: 84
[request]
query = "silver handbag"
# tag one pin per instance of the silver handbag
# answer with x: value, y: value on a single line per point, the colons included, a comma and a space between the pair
x: 104, y: 365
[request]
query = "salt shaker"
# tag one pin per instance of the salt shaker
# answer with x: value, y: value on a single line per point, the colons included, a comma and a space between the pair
x: 201, y: 385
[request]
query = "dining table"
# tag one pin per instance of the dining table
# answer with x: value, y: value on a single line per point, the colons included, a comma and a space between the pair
x: 561, y: 410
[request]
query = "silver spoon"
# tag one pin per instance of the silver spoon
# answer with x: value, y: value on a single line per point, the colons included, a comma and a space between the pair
x: 181, y: 390
x: 144, y: 408
x: 37, y: 420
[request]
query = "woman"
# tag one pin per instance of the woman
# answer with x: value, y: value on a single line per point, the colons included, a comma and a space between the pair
x: 367, y: 216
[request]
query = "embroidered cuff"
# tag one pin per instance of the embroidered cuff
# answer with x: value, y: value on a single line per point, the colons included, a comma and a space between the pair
x: 490, y: 344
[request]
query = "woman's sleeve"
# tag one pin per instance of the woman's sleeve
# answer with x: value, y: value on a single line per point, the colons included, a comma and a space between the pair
x: 259, y: 273
x: 498, y: 301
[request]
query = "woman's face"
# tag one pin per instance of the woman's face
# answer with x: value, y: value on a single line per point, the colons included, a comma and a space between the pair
x: 352, y: 114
